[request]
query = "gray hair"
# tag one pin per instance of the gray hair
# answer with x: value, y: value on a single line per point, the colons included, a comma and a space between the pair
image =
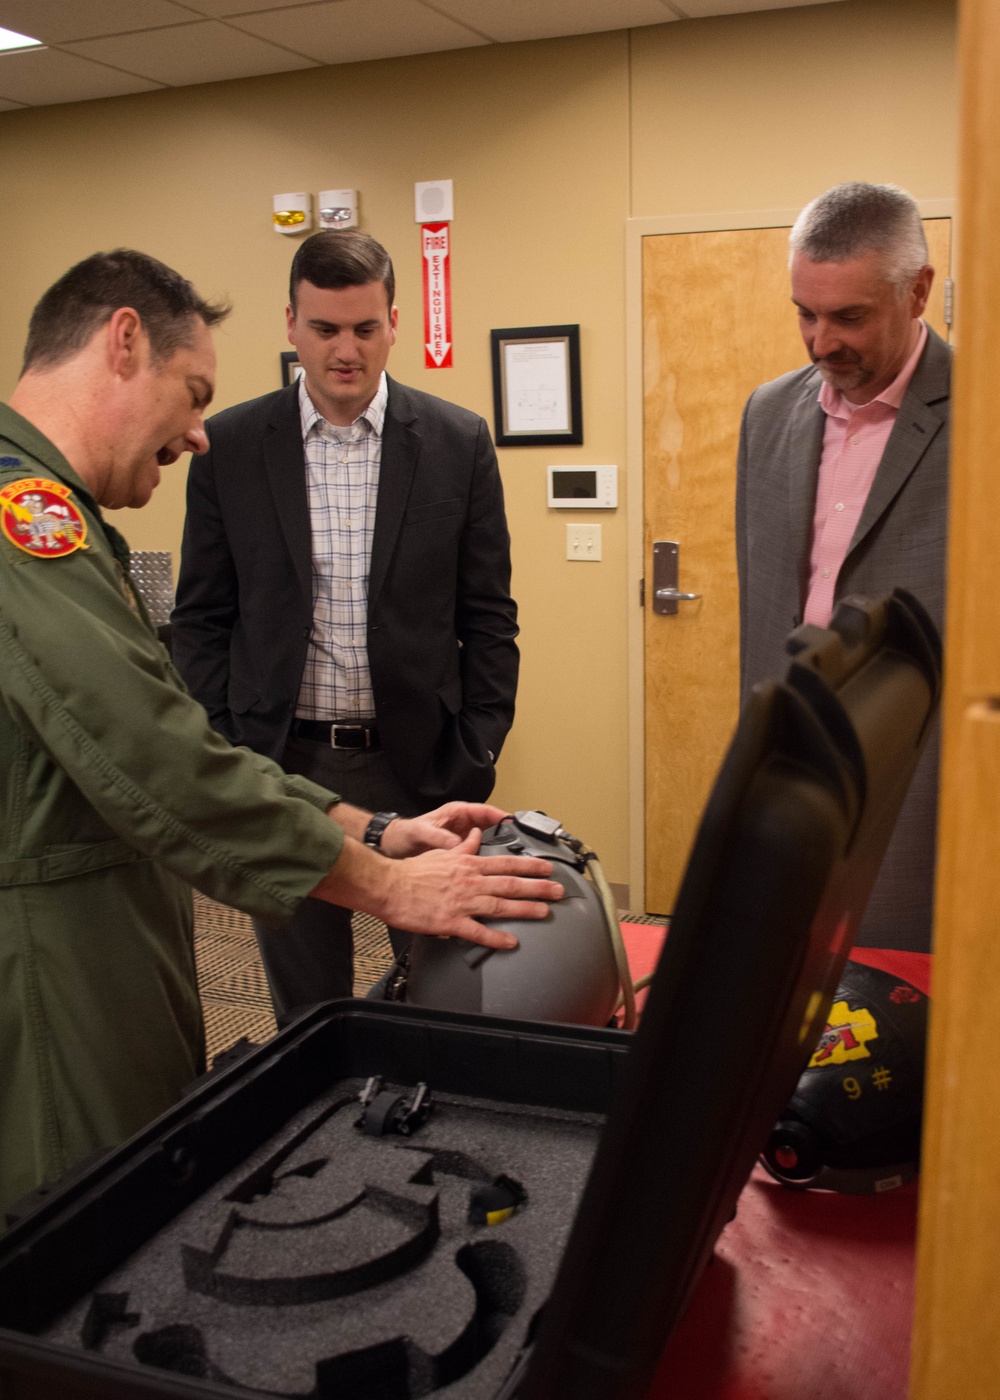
x: 853, y: 219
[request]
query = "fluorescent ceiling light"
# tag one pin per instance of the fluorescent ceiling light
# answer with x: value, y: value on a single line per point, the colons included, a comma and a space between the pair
x: 10, y: 41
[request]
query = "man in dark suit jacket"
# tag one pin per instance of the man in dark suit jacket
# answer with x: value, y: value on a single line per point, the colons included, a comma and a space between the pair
x: 842, y: 480
x: 343, y: 603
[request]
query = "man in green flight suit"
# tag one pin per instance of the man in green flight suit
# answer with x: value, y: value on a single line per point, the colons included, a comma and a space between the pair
x: 117, y: 796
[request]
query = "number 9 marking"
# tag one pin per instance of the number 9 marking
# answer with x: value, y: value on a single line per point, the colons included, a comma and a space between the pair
x: 852, y: 1088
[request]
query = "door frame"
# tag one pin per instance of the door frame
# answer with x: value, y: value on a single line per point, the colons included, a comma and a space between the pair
x: 635, y: 231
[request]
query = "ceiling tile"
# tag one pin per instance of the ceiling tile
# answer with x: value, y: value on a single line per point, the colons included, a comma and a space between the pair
x: 546, y: 19
x: 347, y: 31
x: 42, y: 76
x: 60, y: 21
x: 203, y: 52
x: 222, y: 8
x: 701, y: 9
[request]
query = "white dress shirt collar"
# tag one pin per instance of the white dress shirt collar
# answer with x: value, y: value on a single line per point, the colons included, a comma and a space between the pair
x: 373, y: 416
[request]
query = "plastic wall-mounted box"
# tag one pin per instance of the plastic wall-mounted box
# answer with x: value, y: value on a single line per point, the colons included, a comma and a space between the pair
x: 338, y: 209
x: 292, y: 213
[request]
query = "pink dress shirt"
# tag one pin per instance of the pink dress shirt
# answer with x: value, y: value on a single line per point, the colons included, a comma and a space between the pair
x: 853, y: 442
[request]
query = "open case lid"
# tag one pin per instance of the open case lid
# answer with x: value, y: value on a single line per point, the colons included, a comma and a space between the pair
x: 783, y: 862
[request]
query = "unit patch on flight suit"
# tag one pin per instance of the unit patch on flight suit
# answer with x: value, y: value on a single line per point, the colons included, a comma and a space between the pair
x: 38, y: 516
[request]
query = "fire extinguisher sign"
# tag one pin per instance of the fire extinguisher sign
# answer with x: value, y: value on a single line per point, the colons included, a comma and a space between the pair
x: 437, y: 295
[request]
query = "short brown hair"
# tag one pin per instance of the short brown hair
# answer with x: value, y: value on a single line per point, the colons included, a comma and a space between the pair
x: 344, y: 258
x: 88, y: 295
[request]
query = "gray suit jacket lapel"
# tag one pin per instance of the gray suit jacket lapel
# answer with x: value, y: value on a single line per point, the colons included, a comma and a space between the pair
x: 917, y: 424
x: 285, y: 464
x: 400, y: 450
x: 806, y: 423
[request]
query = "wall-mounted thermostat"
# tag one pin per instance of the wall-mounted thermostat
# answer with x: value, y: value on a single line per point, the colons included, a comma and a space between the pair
x: 583, y: 488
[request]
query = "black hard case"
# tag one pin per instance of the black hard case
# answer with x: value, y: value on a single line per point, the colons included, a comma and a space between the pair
x: 69, y: 1242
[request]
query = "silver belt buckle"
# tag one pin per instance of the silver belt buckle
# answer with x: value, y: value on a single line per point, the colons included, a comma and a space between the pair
x: 363, y: 730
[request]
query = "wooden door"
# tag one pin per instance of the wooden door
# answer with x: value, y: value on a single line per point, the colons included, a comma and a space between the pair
x: 718, y: 321
x: 956, y: 1340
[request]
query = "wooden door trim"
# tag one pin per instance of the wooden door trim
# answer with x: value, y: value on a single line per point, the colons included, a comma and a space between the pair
x: 635, y: 231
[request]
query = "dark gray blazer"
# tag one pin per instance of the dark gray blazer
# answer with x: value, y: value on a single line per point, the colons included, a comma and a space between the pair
x: 900, y: 541
x: 441, y: 621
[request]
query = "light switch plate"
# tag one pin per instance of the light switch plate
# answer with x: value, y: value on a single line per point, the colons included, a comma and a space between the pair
x: 583, y: 542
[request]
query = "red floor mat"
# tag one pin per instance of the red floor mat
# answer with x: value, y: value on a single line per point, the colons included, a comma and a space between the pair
x: 810, y: 1295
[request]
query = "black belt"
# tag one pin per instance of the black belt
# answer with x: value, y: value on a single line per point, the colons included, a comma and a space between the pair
x: 338, y: 736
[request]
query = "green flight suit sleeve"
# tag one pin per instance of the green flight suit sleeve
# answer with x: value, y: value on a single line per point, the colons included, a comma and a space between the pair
x: 88, y: 683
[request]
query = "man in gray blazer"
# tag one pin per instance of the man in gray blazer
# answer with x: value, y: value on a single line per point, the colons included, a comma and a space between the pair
x: 842, y: 479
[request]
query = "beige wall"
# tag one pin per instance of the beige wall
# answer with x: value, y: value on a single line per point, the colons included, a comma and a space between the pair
x: 552, y: 147
x: 764, y: 111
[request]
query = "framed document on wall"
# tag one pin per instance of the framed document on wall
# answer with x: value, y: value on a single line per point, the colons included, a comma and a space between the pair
x: 290, y: 367
x: 536, y: 386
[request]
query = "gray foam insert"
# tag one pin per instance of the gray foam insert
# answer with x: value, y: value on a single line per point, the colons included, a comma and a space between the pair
x: 333, y: 1264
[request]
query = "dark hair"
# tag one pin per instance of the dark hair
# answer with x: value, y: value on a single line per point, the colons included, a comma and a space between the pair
x: 341, y: 259
x: 88, y: 295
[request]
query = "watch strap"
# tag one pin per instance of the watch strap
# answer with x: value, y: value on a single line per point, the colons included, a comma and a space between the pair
x: 375, y: 829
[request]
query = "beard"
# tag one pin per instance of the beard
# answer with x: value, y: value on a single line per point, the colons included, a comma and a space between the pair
x: 845, y: 377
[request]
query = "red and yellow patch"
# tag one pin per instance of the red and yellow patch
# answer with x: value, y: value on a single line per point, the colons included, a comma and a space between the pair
x: 846, y: 1035
x: 38, y: 516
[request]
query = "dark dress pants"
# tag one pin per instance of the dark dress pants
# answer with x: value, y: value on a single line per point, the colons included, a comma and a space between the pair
x: 310, y: 957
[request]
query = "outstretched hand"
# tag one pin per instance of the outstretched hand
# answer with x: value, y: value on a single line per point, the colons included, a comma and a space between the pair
x: 446, y: 892
x: 443, y: 829
x: 443, y: 891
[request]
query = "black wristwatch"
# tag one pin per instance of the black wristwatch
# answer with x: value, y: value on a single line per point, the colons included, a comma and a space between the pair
x: 375, y: 829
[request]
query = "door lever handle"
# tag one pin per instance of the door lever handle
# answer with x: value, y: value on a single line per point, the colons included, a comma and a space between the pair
x: 671, y: 595
x: 666, y: 594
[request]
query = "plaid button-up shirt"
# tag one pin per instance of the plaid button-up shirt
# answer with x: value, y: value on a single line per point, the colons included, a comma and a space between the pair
x: 342, y: 471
